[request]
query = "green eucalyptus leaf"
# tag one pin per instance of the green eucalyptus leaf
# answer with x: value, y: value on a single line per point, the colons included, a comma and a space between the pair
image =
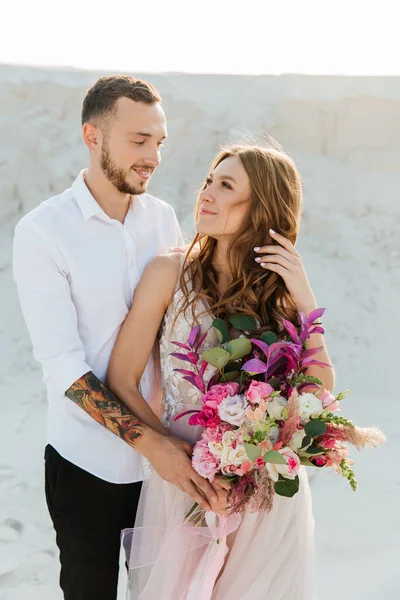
x: 306, y: 461
x: 269, y: 337
x: 315, y: 428
x: 314, y: 450
x: 230, y: 376
x: 221, y: 329
x: 274, y: 457
x: 217, y: 357
x: 287, y: 487
x: 243, y: 322
x: 252, y: 451
x: 232, y: 366
x: 238, y: 348
x: 306, y: 441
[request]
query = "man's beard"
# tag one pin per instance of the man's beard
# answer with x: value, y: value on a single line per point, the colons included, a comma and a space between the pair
x: 117, y: 175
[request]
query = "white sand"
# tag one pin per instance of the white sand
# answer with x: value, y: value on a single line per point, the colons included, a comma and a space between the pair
x: 344, y: 134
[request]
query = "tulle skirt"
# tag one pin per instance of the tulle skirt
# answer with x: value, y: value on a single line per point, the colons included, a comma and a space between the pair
x: 260, y: 556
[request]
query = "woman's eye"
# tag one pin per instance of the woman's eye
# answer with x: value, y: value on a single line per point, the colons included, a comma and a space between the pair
x: 226, y: 185
x: 208, y: 181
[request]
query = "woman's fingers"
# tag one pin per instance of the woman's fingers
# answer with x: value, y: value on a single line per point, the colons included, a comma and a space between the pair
x: 287, y: 244
x: 276, y: 268
x: 276, y: 259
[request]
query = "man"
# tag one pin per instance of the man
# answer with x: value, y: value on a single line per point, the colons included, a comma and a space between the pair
x: 77, y: 260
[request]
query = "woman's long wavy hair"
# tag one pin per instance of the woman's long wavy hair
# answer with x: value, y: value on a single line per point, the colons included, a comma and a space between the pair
x: 276, y: 202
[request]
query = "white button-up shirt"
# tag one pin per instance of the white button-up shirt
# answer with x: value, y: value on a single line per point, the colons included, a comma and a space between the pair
x: 76, y: 271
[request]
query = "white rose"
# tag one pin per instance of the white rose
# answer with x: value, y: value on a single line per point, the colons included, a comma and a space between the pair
x: 233, y: 409
x: 297, y: 439
x: 228, y: 438
x: 215, y: 448
x: 273, y: 435
x: 233, y: 456
x: 289, y: 470
x: 275, y: 407
x: 310, y: 405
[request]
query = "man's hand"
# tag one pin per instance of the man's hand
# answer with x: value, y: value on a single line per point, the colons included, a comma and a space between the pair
x: 222, y: 487
x: 170, y: 457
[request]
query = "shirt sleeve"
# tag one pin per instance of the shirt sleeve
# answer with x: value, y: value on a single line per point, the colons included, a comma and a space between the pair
x: 49, y: 312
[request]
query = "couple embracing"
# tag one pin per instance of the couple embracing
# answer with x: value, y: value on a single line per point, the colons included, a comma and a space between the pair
x: 106, y: 285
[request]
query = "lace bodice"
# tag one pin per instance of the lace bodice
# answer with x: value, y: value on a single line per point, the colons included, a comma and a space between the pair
x: 179, y: 394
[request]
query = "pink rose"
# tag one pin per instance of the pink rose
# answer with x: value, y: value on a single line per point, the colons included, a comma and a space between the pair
x: 257, y: 391
x: 219, y: 392
x: 207, y: 417
x: 319, y: 461
x: 328, y: 402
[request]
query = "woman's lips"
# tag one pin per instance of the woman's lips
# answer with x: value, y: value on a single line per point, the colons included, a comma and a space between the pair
x: 204, y: 211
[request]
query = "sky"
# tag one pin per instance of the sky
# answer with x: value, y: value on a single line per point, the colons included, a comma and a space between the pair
x: 350, y: 37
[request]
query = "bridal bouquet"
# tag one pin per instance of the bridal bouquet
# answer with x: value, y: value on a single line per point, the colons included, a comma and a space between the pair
x: 263, y: 416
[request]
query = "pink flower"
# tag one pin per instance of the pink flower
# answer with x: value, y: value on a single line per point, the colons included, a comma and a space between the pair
x: 257, y: 391
x: 328, y: 441
x: 207, y: 417
x: 328, y: 402
x: 219, y: 392
x: 319, y: 461
x: 204, y: 462
x: 259, y: 463
x: 214, y: 434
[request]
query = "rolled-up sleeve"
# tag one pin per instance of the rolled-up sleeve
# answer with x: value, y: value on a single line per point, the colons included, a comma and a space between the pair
x: 47, y: 307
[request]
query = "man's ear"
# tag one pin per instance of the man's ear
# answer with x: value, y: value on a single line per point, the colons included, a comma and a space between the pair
x: 91, y: 136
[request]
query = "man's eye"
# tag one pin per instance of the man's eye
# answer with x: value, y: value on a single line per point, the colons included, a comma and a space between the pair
x: 160, y: 145
x: 139, y: 143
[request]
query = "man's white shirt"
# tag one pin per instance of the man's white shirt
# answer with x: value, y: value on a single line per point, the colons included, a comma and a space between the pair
x: 76, y: 271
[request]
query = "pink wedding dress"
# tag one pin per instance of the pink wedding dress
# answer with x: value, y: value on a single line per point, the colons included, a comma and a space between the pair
x: 258, y: 557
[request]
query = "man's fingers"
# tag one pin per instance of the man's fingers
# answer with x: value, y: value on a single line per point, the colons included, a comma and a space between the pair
x: 194, y: 493
x: 223, y: 483
x: 205, y: 487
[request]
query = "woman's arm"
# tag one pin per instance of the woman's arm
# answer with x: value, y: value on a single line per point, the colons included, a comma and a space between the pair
x: 286, y: 261
x: 138, y: 334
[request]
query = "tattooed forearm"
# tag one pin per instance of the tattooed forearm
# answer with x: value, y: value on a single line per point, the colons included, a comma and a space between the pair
x: 101, y: 404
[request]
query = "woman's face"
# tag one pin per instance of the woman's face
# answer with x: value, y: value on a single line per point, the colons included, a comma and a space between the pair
x: 224, y: 202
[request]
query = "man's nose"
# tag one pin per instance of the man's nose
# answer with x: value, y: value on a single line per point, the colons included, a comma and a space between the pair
x: 153, y: 157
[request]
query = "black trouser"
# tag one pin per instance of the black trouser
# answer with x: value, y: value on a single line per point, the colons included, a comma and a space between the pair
x: 88, y: 515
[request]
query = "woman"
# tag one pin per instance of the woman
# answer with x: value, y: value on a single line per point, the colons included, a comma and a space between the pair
x: 250, y: 191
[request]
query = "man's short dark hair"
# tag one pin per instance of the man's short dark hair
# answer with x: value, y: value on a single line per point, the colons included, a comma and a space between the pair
x: 100, y: 99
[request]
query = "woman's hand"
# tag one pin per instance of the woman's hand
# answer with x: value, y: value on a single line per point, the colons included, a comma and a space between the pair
x: 286, y: 261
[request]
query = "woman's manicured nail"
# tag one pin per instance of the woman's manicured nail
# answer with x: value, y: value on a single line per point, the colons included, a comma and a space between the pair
x: 257, y: 249
x: 262, y: 264
x: 272, y: 232
x: 258, y: 259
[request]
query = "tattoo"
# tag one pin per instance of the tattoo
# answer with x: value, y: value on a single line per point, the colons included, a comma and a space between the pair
x: 100, y: 403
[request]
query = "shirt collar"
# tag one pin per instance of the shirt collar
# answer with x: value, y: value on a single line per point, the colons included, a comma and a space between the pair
x: 88, y: 205
x: 86, y: 202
